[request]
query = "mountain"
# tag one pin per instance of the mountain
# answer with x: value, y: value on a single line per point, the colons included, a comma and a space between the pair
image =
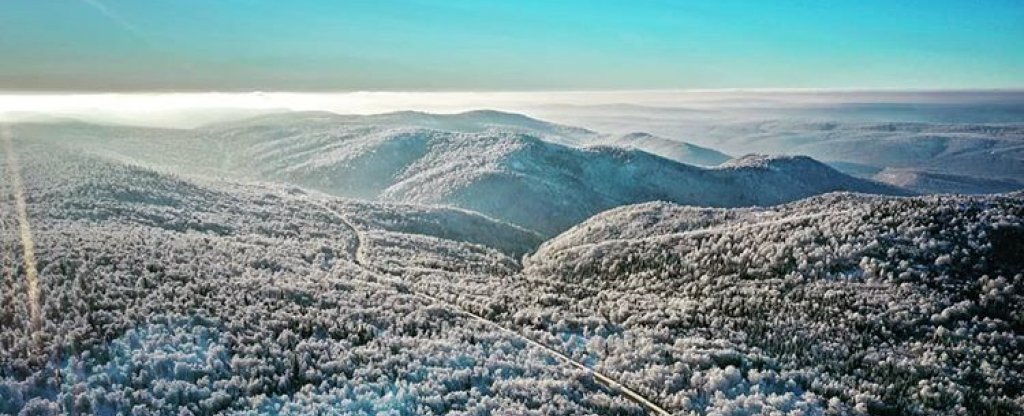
x: 681, y: 152
x: 169, y: 295
x: 845, y: 298
x: 520, y: 178
x: 932, y: 182
x: 528, y: 181
x: 466, y: 122
x: 515, y: 177
x: 166, y: 292
x: 975, y: 134
x: 992, y: 151
x: 989, y: 151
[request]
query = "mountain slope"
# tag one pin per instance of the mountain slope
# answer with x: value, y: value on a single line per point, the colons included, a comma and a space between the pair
x: 681, y: 152
x: 887, y: 305
x: 931, y: 182
x: 171, y: 296
x: 516, y: 177
x: 994, y: 151
x: 521, y: 178
x: 466, y: 122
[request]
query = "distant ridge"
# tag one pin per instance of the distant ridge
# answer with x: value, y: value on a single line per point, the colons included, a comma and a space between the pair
x: 506, y: 166
x: 519, y: 177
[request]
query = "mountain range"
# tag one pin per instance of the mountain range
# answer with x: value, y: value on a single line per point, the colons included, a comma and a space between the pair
x: 506, y: 166
x: 311, y: 263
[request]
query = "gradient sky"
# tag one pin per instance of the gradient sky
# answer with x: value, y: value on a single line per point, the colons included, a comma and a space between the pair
x: 240, y: 45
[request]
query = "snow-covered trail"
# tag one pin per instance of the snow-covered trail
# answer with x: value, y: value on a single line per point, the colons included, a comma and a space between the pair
x: 600, y: 377
x: 604, y: 379
x: 24, y: 230
x: 6, y: 247
x: 355, y: 251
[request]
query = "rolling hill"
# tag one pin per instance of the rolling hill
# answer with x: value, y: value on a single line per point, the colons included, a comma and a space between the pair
x: 517, y: 177
x: 885, y: 305
x: 170, y: 295
x: 928, y: 182
x: 681, y: 152
x: 483, y: 162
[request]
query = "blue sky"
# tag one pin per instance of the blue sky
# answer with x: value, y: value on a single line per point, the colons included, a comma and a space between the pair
x: 240, y: 45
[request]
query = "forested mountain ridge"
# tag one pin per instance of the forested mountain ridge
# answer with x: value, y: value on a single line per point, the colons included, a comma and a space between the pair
x: 505, y: 166
x: 894, y: 305
x: 162, y: 294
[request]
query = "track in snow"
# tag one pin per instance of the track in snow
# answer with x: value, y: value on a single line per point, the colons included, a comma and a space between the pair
x: 24, y: 230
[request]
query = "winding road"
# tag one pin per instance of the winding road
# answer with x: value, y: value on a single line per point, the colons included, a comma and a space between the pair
x: 602, y: 378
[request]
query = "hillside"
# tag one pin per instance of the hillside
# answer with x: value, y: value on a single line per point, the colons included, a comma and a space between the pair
x: 520, y: 178
x: 974, y: 149
x: 886, y: 305
x: 678, y: 151
x: 170, y: 292
x: 931, y: 182
x: 173, y: 296
x: 516, y: 177
x: 476, y: 121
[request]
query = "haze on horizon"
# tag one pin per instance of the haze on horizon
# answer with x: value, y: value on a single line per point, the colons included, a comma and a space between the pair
x: 433, y: 45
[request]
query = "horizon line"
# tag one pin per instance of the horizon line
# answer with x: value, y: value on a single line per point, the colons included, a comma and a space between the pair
x: 1020, y: 89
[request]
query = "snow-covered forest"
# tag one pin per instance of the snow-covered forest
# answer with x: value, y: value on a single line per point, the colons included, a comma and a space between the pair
x: 183, y: 275
x: 522, y: 208
x: 884, y: 305
x: 165, y: 296
x: 538, y: 175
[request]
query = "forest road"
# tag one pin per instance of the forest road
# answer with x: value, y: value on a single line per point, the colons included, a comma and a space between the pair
x: 602, y: 378
x: 13, y: 169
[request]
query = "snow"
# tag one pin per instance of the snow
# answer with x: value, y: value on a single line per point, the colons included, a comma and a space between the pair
x: 217, y: 270
x: 972, y: 140
x: 678, y: 151
x: 209, y: 297
x: 514, y: 174
x: 897, y: 282
x: 931, y: 182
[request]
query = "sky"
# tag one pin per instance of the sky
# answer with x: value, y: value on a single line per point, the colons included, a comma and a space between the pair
x: 524, y: 45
